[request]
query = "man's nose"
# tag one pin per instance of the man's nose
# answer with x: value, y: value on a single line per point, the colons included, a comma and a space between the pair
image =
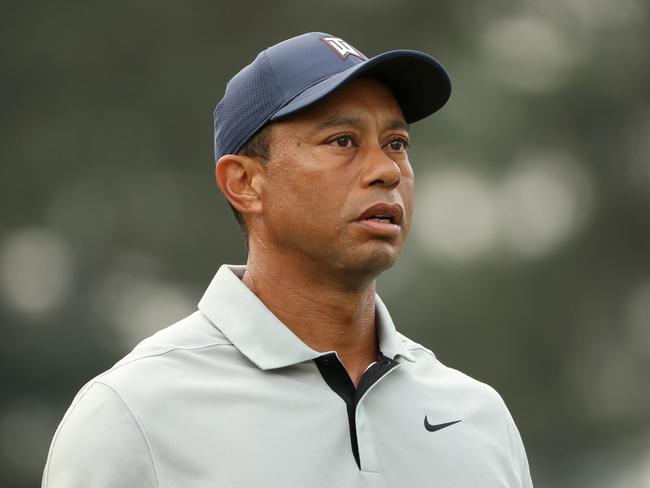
x: 380, y: 169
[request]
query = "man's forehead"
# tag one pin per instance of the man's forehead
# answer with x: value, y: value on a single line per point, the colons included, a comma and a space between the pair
x: 354, y: 105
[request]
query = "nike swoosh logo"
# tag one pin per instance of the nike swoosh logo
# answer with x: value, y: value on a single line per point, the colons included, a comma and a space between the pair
x: 434, y: 427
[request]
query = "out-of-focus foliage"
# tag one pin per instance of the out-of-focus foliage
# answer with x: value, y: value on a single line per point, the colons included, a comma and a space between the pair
x: 528, y: 266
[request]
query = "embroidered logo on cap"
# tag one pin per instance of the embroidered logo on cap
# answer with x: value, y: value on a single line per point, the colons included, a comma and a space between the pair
x: 342, y: 48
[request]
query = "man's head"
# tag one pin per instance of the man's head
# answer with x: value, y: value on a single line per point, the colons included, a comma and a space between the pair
x: 311, y: 143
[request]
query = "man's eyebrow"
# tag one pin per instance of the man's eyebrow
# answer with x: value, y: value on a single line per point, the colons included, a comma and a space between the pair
x: 355, y: 123
x: 398, y: 124
x: 339, y: 121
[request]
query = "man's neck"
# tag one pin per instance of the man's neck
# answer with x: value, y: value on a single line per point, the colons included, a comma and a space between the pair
x: 325, y: 314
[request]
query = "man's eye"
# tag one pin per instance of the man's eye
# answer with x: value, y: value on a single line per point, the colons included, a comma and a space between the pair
x: 398, y: 144
x: 342, y: 141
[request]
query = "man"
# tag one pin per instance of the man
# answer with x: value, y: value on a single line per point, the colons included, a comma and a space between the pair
x: 291, y: 373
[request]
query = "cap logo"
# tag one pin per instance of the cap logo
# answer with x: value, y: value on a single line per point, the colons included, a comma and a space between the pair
x: 342, y: 48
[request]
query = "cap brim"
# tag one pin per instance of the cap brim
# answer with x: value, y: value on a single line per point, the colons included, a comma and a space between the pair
x: 419, y: 83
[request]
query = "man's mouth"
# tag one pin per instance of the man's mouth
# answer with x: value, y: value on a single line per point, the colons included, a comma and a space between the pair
x: 381, y: 218
x: 385, y: 213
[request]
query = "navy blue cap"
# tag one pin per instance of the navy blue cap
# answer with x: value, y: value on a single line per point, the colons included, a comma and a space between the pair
x: 300, y: 71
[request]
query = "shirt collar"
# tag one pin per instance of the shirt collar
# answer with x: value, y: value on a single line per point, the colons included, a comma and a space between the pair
x: 262, y: 337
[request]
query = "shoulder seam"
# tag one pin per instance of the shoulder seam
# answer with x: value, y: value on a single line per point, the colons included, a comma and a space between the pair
x: 166, y: 351
x: 140, y: 429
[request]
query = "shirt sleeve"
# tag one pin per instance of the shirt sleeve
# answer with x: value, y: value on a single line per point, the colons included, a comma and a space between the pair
x: 99, y: 444
x: 518, y: 452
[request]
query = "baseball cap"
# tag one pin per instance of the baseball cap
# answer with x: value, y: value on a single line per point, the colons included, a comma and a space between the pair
x: 300, y: 71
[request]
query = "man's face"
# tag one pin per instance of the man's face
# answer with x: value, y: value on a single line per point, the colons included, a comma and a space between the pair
x: 339, y: 185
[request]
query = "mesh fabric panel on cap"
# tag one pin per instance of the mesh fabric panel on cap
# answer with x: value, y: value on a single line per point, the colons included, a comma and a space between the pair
x: 251, y: 98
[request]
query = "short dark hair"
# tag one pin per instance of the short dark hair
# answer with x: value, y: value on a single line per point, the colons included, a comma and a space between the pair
x: 258, y: 146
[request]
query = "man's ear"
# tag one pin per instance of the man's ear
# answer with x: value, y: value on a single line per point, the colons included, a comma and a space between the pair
x: 241, y: 180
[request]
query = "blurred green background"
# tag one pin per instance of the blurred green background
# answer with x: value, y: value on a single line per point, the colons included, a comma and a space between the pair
x: 528, y: 265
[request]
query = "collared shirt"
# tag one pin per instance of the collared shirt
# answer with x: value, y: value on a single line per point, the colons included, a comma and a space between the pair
x: 230, y: 397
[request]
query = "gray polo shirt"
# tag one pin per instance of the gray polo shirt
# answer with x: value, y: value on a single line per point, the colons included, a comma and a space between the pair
x: 230, y: 397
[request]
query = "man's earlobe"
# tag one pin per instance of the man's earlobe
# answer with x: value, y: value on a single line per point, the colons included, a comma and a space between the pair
x: 240, y: 179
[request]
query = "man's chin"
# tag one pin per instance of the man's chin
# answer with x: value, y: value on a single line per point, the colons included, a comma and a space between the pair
x: 373, y: 262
